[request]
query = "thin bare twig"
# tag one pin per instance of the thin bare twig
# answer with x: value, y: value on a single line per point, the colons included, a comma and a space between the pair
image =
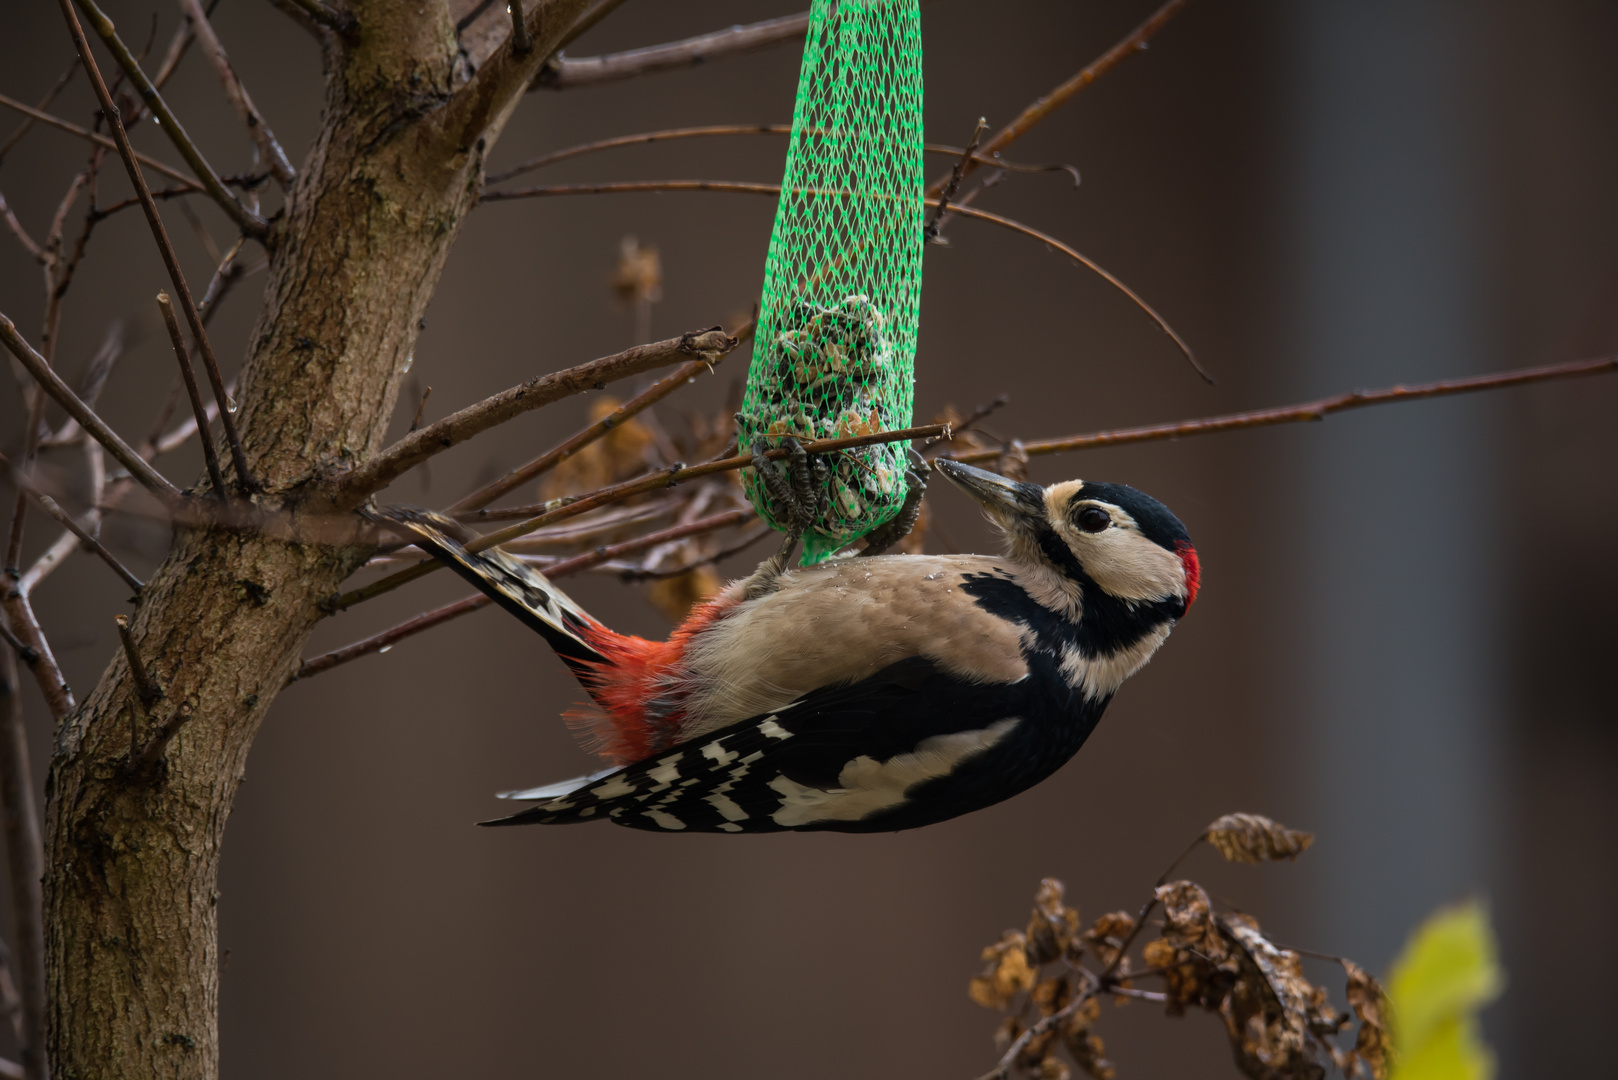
x: 25, y: 863
x: 1025, y: 121
x: 565, y: 73
x: 199, y: 408
x: 324, y: 15
x: 553, y: 457
x: 1309, y: 410
x: 421, y: 406
x: 624, y: 187
x: 57, y: 389
x: 710, y: 130
x: 64, y: 519
x: 97, y: 138
x: 43, y: 665
x: 245, y: 219
x: 437, y: 617
x: 418, y: 446
x: 561, y: 509
x: 522, y: 40
x: 29, y: 244
x: 149, y: 691
x: 171, y: 262
x: 930, y: 230
x: 261, y: 134
x: 44, y: 103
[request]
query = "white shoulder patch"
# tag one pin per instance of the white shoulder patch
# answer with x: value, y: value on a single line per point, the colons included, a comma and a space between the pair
x: 868, y: 786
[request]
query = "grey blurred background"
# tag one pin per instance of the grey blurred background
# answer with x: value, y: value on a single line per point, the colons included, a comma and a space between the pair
x: 1403, y: 641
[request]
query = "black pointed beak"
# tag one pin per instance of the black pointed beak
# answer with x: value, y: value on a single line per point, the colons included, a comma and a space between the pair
x: 1009, y: 498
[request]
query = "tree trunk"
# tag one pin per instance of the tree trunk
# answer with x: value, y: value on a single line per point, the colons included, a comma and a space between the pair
x: 130, y: 891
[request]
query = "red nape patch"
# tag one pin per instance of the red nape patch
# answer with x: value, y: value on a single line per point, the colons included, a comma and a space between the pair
x: 1193, y: 571
x: 637, y: 690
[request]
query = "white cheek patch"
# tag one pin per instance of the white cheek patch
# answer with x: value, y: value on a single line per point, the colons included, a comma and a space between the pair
x: 868, y: 786
x: 1122, y: 560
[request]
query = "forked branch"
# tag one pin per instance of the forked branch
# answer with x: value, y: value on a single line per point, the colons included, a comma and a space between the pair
x: 564, y: 73
x: 261, y: 134
x: 245, y: 219
x: 149, y: 477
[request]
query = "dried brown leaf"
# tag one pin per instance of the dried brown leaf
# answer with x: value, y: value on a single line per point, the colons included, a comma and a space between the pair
x: 1052, y: 995
x: 1188, y: 918
x: 1369, y: 1003
x: 1051, y: 1068
x: 1108, y: 934
x: 676, y: 596
x: 1159, y: 954
x: 1268, y: 1009
x: 1008, y: 973
x: 1081, y: 1017
x: 638, y: 277
x: 1007, y: 1033
x: 1090, y: 1053
x: 1052, y: 926
x: 617, y: 455
x: 1253, y: 838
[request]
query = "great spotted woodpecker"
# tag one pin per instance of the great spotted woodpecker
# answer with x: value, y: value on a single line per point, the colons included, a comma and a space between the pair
x: 863, y: 694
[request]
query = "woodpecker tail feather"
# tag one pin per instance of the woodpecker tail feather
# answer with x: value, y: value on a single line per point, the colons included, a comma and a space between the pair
x: 512, y: 584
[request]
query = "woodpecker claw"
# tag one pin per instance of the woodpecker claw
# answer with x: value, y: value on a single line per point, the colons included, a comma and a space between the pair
x: 898, y: 527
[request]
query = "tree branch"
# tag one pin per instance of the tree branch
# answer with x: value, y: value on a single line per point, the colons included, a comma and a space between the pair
x: 199, y: 408
x: 1061, y: 95
x: 245, y: 219
x: 97, y: 138
x: 25, y: 629
x: 25, y: 863
x: 271, y: 150
x: 324, y: 15
x: 437, y: 617
x: 1309, y: 410
x: 171, y: 262
x: 625, y: 187
x: 558, y: 454
x: 564, y: 73
x: 574, y: 505
x: 63, y: 518
x: 710, y: 130
x: 29, y: 244
x: 353, y: 486
x: 57, y: 389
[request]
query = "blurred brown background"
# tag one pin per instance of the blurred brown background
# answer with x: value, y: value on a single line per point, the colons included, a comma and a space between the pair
x: 1404, y: 638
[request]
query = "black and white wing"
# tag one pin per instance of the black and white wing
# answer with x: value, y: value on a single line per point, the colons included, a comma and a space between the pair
x: 909, y: 746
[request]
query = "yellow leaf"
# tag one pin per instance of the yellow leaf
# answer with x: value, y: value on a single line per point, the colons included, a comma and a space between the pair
x: 1449, y: 969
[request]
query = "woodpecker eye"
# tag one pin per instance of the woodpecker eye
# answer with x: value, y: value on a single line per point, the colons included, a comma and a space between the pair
x: 1093, y: 519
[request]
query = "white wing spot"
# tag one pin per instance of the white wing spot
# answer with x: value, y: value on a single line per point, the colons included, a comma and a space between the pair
x: 730, y: 826
x: 665, y: 819
x: 726, y: 806
x: 615, y: 788
x: 773, y: 730
x: 666, y: 773
x: 716, y: 752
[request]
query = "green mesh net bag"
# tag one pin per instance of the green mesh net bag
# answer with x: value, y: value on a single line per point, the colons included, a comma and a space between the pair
x: 834, y: 352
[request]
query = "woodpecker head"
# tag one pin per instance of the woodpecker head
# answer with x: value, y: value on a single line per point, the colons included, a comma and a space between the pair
x: 1092, y: 536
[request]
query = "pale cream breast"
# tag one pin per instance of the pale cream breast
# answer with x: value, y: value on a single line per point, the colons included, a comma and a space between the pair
x: 843, y: 622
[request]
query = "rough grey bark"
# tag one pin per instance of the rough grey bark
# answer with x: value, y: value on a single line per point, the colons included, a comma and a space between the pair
x: 130, y: 888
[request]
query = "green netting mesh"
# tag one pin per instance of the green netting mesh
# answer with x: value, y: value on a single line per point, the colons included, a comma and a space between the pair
x: 834, y: 353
